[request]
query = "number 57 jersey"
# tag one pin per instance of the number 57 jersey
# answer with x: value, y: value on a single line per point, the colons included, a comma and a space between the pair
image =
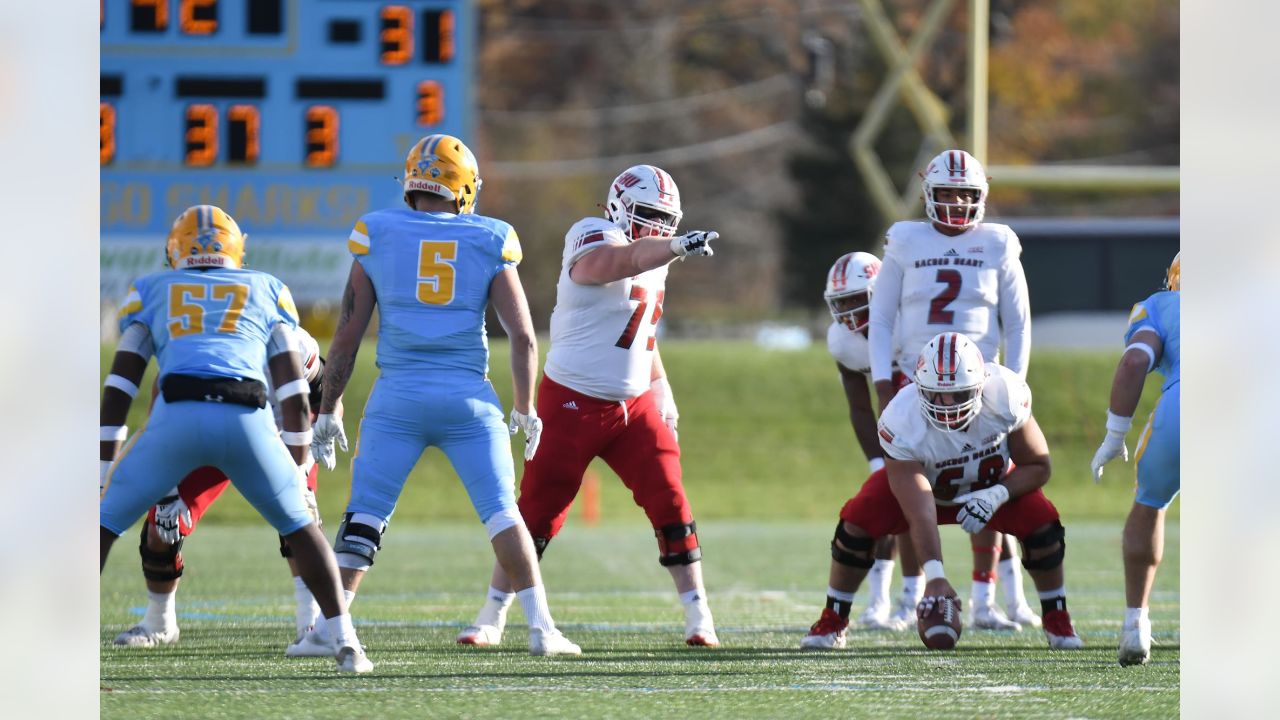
x: 603, y: 336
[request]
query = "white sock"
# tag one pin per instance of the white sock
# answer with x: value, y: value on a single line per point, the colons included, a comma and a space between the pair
x: 341, y: 630
x: 841, y: 595
x: 494, y: 611
x: 698, y: 594
x: 878, y: 581
x: 981, y: 595
x: 913, y: 587
x: 1010, y: 574
x: 306, y: 610
x: 162, y: 612
x: 1052, y: 594
x: 534, y: 601
x: 1133, y: 616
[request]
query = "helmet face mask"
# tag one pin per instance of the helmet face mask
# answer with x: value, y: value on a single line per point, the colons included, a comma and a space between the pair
x: 950, y: 375
x: 443, y: 165
x: 205, y: 236
x: 644, y: 202
x: 945, y: 183
x: 850, y: 283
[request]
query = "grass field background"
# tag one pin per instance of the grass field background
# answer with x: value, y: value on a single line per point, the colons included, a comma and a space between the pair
x: 769, y: 457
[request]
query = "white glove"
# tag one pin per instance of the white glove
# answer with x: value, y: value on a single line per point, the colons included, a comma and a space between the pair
x: 666, y: 404
x: 531, y: 424
x: 694, y: 242
x: 1112, y: 445
x: 313, y: 508
x: 327, y: 429
x: 171, y: 512
x: 980, y: 506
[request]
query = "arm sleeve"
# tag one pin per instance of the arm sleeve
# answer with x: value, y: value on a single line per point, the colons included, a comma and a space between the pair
x: 1015, y: 309
x: 137, y: 339
x: 884, y: 311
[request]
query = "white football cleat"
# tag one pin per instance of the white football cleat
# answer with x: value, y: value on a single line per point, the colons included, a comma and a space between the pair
x: 547, y: 644
x: 1135, y: 644
x: 826, y: 634
x: 1024, y: 616
x: 877, y: 617
x: 351, y: 659
x: 989, y: 617
x: 699, y: 628
x: 904, y: 613
x: 1059, y: 631
x: 310, y: 644
x: 141, y: 636
x: 481, y: 636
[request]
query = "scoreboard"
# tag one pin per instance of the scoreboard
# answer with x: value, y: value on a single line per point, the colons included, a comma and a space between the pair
x: 292, y: 115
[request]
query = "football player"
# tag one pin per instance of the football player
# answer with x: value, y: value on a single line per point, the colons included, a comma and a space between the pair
x: 961, y: 446
x: 176, y: 515
x: 604, y: 391
x: 957, y: 273
x: 213, y: 326
x: 431, y: 269
x: 1154, y: 343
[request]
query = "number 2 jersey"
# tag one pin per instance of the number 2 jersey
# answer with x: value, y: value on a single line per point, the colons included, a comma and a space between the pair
x: 603, y: 336
x: 431, y: 272
x: 210, y: 323
x: 930, y: 283
x: 960, y: 461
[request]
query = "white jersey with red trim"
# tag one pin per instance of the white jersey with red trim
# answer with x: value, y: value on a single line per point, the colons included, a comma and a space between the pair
x: 603, y: 336
x: 960, y: 461
x: 929, y: 283
x: 850, y: 348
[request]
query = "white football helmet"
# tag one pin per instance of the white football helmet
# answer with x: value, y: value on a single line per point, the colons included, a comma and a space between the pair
x: 850, y: 282
x: 956, y: 170
x: 950, y: 374
x: 645, y: 202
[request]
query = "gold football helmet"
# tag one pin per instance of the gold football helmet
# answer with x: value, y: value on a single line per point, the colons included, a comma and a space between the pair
x: 444, y: 166
x: 1173, y: 279
x: 204, y: 236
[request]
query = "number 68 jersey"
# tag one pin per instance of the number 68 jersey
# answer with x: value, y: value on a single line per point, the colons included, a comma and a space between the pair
x: 960, y: 461
x: 603, y: 336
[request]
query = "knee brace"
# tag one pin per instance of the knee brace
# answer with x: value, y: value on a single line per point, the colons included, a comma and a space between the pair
x: 360, y: 538
x: 285, y: 551
x: 1054, y: 535
x: 859, y: 553
x: 539, y: 545
x: 678, y: 544
x: 161, y: 566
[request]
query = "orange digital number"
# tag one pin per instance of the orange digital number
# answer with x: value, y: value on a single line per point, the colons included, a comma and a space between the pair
x: 244, y: 122
x: 206, y: 24
x: 396, y: 35
x: 322, y: 136
x: 106, y: 133
x: 430, y: 103
x: 444, y: 33
x: 202, y: 135
x: 160, y: 8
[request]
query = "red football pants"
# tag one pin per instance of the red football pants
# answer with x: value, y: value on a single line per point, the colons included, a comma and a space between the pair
x: 202, y: 486
x: 629, y: 435
x: 876, y: 511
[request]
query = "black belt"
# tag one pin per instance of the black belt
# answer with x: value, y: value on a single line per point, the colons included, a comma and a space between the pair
x: 177, y: 388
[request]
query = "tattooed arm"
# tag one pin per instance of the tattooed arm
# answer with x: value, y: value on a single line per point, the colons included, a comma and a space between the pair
x: 358, y: 300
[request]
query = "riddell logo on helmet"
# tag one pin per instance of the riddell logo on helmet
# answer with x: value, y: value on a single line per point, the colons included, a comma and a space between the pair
x: 206, y: 261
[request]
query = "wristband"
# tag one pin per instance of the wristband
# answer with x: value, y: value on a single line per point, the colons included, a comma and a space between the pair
x: 297, y: 438
x: 877, y: 464
x: 288, y: 390
x: 112, y: 433
x: 122, y: 384
x: 932, y: 570
x: 1117, y: 423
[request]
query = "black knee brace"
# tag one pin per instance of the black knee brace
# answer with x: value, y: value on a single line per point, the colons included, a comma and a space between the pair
x: 357, y: 539
x: 859, y: 553
x: 160, y: 566
x: 539, y: 545
x: 1054, y: 535
x: 285, y: 550
x: 678, y: 544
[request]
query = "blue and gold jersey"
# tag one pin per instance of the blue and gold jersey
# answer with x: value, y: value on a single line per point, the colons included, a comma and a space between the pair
x: 1161, y: 313
x: 431, y: 273
x: 210, y: 323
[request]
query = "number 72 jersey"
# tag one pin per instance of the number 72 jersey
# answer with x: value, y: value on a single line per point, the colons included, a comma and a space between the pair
x: 603, y: 336
x: 210, y: 323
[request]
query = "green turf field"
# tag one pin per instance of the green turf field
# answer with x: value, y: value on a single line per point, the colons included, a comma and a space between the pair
x: 766, y: 582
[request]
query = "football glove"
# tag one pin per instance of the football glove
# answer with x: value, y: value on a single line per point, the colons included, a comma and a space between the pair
x: 326, y: 430
x: 694, y: 242
x: 531, y: 424
x: 1112, y: 445
x: 666, y: 404
x: 980, y: 506
x: 171, y: 512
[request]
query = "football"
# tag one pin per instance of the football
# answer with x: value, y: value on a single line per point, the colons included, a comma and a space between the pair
x: 938, y: 622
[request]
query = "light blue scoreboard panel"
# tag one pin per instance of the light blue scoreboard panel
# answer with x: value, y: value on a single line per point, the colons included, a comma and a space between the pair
x: 292, y: 115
